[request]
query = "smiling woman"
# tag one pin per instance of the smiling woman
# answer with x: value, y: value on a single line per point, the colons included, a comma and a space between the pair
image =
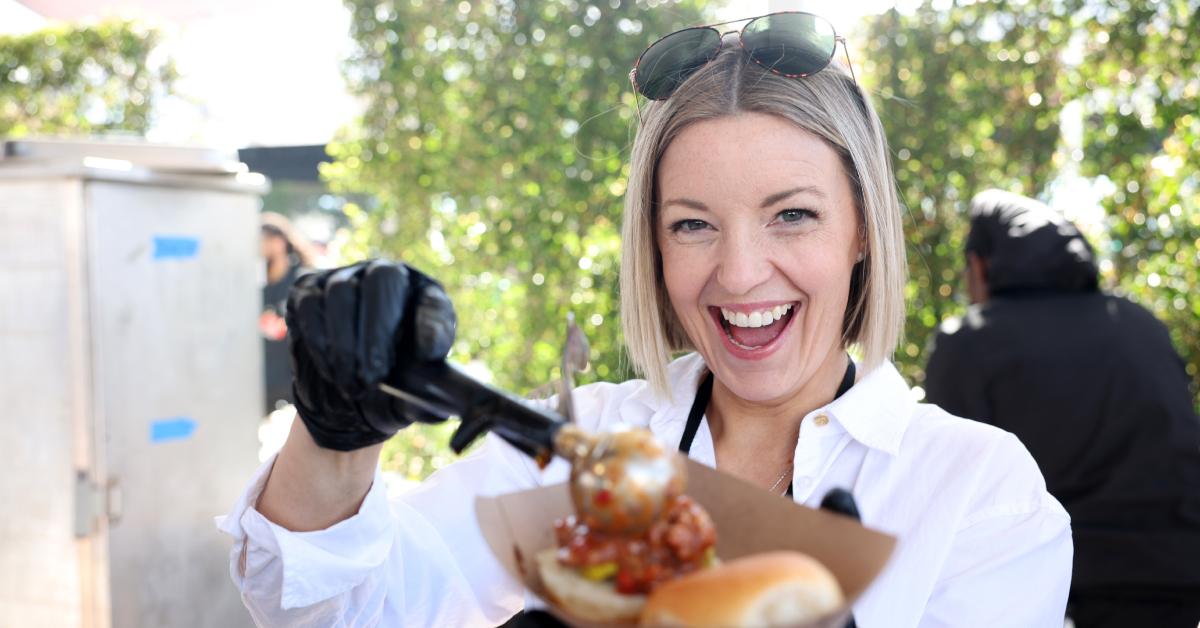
x: 732, y: 249
x: 762, y: 240
x: 794, y: 135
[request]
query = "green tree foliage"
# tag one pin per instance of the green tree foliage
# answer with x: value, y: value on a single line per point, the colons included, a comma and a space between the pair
x: 494, y: 144
x: 979, y: 94
x: 73, y: 79
x: 1140, y: 87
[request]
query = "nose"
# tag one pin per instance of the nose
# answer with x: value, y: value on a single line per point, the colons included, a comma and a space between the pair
x: 743, y: 265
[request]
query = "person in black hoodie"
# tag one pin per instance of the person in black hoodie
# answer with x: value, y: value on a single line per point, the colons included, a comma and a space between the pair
x: 1092, y: 385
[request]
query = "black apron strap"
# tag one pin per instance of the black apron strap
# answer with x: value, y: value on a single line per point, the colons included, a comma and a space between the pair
x: 699, y: 405
x: 847, y: 380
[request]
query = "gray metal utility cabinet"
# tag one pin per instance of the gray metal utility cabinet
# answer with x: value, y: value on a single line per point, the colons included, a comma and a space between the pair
x: 130, y: 381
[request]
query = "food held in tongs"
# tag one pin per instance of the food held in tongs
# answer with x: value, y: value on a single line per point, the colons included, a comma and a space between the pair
x: 621, y: 482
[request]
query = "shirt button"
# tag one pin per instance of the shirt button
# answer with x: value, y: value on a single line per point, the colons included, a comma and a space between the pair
x: 820, y: 420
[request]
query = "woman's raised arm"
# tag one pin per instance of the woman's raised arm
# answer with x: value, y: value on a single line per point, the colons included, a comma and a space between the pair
x: 349, y: 328
x: 312, y: 488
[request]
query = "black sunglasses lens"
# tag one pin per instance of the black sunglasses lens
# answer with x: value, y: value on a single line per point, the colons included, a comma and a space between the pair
x: 669, y: 61
x: 793, y: 44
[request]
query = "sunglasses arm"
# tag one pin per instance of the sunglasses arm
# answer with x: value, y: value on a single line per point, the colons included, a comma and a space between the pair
x: 637, y: 103
x: 846, y: 49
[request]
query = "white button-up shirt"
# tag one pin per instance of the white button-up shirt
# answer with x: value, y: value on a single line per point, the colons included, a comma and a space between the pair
x: 980, y: 541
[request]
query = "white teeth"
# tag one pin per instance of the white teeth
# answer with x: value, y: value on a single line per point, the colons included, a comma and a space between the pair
x: 760, y: 318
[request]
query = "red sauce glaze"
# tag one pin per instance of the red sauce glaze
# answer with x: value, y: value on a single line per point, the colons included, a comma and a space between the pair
x: 674, y: 545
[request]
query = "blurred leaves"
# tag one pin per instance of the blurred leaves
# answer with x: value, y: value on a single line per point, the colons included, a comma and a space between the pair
x: 73, y: 79
x: 1047, y: 98
x: 494, y: 145
x: 1140, y: 86
x: 419, y: 450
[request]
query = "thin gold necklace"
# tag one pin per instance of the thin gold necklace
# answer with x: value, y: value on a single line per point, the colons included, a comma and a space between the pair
x: 781, y: 476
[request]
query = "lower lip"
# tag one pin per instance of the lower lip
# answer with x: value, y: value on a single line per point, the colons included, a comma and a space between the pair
x: 757, y: 353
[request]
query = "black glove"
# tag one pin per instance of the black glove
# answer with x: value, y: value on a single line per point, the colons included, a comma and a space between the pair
x: 350, y: 329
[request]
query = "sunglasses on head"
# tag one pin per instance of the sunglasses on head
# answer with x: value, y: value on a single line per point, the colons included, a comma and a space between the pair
x: 794, y: 44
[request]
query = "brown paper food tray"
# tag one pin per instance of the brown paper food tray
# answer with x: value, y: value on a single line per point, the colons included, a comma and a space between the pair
x: 748, y: 520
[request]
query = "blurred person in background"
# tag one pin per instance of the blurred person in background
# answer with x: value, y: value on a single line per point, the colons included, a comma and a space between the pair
x: 1092, y: 385
x: 287, y: 254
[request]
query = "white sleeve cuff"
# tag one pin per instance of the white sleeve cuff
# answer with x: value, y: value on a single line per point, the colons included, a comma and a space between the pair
x: 317, y: 565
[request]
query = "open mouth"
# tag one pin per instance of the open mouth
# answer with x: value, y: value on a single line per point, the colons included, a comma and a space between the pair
x: 754, y: 330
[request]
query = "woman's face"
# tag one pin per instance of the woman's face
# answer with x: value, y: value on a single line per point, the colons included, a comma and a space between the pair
x: 759, y: 233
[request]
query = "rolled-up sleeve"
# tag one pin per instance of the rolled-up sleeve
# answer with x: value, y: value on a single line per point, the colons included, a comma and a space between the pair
x: 330, y: 577
x: 415, y: 560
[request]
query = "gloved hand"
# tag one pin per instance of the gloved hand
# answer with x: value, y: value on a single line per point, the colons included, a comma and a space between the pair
x: 350, y: 329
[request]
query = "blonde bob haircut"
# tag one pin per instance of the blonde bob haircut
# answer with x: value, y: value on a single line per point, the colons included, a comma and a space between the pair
x: 827, y: 104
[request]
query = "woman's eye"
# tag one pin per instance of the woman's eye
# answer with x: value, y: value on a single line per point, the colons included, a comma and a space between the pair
x: 795, y: 215
x: 690, y: 225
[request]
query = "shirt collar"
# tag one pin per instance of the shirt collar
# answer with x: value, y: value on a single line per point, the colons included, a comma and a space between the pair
x: 669, y: 414
x: 875, y: 411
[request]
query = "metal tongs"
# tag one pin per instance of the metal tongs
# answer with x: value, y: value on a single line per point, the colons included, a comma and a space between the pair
x: 575, y: 357
x: 621, y: 481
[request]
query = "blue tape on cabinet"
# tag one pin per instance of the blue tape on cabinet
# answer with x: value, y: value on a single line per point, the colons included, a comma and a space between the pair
x: 175, y: 247
x: 174, y: 428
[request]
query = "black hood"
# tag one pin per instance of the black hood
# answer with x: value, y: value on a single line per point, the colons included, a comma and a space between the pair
x: 1028, y: 246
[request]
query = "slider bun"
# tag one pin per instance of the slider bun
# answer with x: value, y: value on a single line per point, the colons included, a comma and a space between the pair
x: 769, y: 589
x: 586, y: 599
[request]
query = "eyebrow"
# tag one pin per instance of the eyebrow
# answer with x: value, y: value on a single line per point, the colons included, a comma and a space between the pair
x: 779, y: 196
x: 766, y: 202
